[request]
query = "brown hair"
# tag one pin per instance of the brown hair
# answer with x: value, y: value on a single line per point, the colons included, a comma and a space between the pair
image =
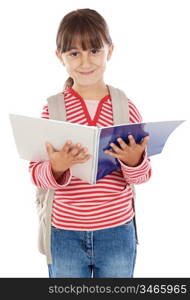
x: 85, y: 26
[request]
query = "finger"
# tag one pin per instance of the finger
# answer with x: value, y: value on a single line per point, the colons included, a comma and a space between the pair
x: 131, y: 140
x: 110, y: 153
x: 82, y: 153
x: 87, y: 157
x: 49, y: 148
x: 67, y: 146
x: 115, y: 148
x: 145, y: 141
x: 122, y: 143
x: 76, y: 149
x: 79, y: 159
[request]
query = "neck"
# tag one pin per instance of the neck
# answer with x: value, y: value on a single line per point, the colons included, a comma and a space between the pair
x: 95, y: 91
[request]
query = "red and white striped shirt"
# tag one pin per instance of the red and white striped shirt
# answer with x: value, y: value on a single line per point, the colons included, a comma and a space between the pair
x: 78, y: 205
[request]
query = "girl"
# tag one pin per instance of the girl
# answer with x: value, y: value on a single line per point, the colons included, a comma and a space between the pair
x: 92, y: 226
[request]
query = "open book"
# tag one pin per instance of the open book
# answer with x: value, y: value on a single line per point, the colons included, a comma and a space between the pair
x: 31, y: 134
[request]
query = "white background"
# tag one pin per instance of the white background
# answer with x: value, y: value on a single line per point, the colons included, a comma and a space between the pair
x: 151, y: 63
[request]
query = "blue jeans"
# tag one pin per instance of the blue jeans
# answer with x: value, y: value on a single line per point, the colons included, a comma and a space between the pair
x: 109, y: 252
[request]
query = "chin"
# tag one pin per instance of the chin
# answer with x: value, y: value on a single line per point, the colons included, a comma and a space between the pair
x: 88, y: 81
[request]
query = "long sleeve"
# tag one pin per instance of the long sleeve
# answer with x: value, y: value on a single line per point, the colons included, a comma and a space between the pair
x: 142, y: 172
x: 139, y: 174
x: 41, y: 172
x: 42, y: 176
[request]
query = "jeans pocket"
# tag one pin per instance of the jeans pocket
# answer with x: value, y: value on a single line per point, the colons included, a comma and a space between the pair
x: 53, y: 228
x: 128, y: 222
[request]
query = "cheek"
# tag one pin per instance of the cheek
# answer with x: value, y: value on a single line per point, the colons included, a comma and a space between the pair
x: 101, y: 61
x: 102, y: 68
x: 101, y: 64
x: 71, y: 67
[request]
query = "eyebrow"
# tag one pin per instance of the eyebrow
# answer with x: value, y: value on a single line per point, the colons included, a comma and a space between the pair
x: 75, y: 48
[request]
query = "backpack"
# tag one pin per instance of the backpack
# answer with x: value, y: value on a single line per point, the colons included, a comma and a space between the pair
x: 44, y: 198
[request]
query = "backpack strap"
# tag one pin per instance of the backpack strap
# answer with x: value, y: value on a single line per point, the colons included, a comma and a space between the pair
x: 121, y: 109
x: 56, y: 107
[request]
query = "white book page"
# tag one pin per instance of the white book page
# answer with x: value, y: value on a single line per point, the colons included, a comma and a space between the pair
x: 31, y: 134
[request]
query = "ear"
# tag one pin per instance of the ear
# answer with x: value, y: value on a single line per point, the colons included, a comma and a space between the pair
x: 110, y: 51
x: 59, y: 56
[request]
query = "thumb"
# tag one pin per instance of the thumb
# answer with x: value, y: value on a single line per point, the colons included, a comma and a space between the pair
x: 145, y: 140
x: 49, y: 148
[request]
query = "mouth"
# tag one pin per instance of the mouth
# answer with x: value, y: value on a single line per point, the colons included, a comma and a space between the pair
x: 87, y: 73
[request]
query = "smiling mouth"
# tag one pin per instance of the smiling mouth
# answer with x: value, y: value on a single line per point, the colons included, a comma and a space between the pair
x: 87, y: 73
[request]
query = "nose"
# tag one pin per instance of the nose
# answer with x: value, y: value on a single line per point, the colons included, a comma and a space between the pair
x: 85, y: 60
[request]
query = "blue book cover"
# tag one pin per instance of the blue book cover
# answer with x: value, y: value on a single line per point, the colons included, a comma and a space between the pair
x: 158, y: 132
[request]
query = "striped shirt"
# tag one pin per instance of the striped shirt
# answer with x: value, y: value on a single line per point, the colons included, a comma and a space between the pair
x: 78, y: 205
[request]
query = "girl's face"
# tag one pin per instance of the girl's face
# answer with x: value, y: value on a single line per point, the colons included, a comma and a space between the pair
x: 86, y: 67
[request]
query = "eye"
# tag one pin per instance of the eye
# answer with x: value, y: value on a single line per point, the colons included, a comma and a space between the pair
x: 95, y: 50
x: 71, y: 54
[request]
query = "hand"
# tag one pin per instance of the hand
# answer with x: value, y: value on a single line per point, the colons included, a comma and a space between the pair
x: 130, y: 154
x: 67, y: 156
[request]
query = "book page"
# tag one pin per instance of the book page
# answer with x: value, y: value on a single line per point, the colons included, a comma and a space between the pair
x: 31, y: 134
